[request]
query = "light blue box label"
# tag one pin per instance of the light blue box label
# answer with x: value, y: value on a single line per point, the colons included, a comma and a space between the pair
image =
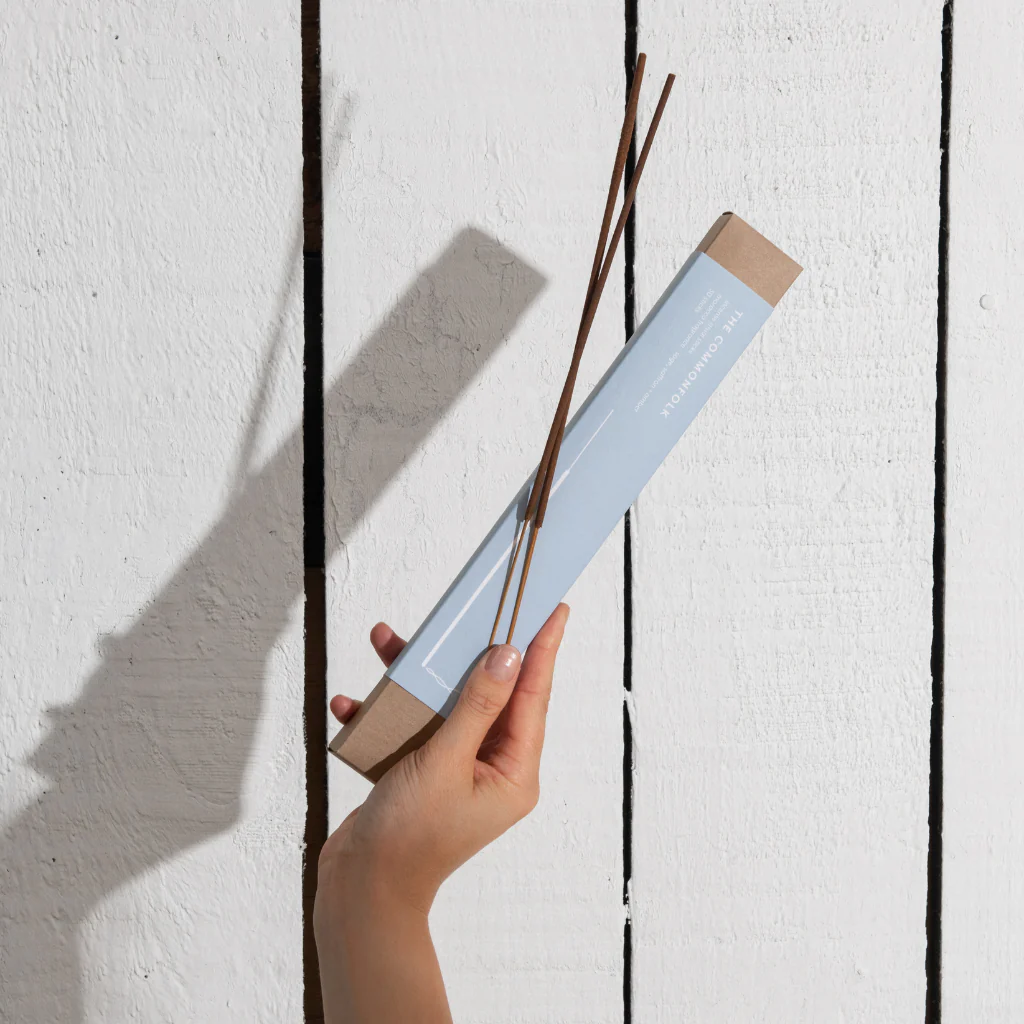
x: 624, y: 430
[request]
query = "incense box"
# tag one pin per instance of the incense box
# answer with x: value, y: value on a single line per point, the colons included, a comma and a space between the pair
x: 613, y: 445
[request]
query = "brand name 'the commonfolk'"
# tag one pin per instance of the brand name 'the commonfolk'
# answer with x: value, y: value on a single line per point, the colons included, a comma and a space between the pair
x: 719, y: 339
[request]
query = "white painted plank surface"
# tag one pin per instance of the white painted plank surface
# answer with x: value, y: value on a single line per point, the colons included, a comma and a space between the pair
x: 150, y: 494
x: 460, y: 217
x: 983, y: 901
x: 782, y: 558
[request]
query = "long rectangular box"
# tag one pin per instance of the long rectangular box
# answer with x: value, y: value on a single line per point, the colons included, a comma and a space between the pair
x: 623, y: 431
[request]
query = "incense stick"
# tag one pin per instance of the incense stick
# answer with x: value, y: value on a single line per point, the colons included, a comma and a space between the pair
x: 561, y: 414
x: 520, y: 534
x: 618, y: 168
x: 565, y: 399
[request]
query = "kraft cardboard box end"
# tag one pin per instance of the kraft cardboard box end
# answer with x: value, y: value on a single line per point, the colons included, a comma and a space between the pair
x: 390, y: 724
x: 764, y: 268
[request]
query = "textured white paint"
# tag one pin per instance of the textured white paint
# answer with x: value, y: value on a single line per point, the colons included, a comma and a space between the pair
x: 782, y: 557
x: 983, y: 898
x: 150, y: 561
x: 150, y: 556
x: 479, y: 143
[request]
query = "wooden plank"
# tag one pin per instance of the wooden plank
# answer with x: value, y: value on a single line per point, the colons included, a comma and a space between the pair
x: 151, y: 566
x: 477, y: 146
x: 782, y: 558
x: 983, y: 903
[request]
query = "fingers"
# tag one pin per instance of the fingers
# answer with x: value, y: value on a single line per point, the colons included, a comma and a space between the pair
x: 344, y: 708
x: 386, y: 642
x: 388, y: 645
x: 527, y: 710
x: 485, y: 694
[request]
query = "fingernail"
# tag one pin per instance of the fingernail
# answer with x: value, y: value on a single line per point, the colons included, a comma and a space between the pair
x: 502, y: 662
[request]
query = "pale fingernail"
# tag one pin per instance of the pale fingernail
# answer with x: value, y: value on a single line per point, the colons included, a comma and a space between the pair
x: 502, y: 662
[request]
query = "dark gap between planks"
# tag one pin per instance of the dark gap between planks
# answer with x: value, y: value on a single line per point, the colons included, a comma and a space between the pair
x: 933, y: 910
x: 314, y: 544
x: 629, y: 311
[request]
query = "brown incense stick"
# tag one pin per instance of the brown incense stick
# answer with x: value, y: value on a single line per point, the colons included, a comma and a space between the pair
x: 520, y: 534
x: 591, y: 310
x: 565, y: 399
x: 618, y: 168
x: 561, y: 414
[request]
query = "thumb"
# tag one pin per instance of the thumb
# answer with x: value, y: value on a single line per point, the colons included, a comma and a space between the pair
x: 483, y: 697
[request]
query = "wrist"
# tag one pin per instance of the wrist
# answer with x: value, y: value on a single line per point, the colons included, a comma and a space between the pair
x: 377, y: 959
x: 354, y: 890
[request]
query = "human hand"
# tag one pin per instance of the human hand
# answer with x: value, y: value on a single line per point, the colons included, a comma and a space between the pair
x: 471, y: 781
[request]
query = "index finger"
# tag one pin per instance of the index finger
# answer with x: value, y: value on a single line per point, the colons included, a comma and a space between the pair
x: 386, y: 642
x: 526, y: 712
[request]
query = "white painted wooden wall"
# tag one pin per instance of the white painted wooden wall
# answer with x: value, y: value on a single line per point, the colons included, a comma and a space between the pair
x: 782, y: 577
x: 983, y: 897
x: 782, y: 566
x: 150, y: 509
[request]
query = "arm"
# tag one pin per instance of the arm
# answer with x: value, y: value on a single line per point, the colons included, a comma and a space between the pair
x: 380, y: 871
x: 377, y: 960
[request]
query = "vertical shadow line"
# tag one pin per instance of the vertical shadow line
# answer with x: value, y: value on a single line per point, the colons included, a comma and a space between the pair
x: 933, y: 910
x: 629, y: 311
x: 314, y: 539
